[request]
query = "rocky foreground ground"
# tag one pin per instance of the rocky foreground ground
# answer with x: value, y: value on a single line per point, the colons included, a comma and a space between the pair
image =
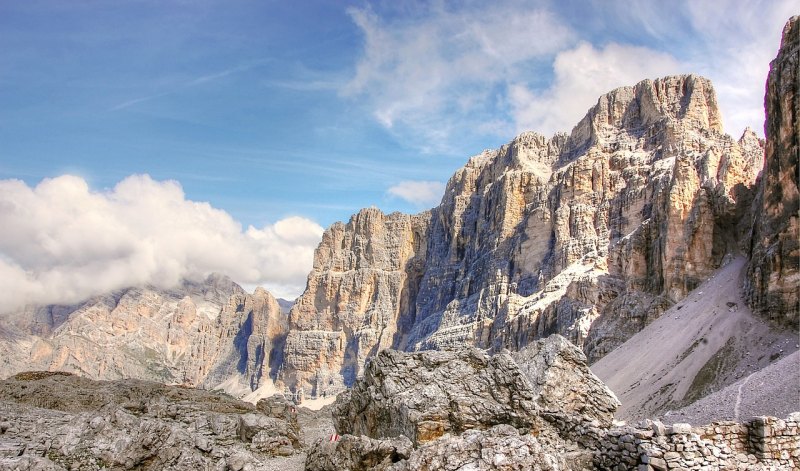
x: 540, y: 408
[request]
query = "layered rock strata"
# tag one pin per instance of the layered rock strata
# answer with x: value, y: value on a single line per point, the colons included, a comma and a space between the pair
x: 590, y: 235
x: 773, y: 286
x: 195, y: 334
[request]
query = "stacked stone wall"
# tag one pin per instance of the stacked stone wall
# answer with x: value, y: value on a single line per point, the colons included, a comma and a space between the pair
x: 763, y: 443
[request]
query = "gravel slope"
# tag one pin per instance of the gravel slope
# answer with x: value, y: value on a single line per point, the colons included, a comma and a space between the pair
x: 774, y: 390
x: 704, y: 343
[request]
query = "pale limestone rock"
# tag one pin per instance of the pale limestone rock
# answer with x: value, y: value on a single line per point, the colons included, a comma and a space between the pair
x: 357, y: 453
x: 425, y: 395
x: 562, y: 382
x: 62, y: 421
x: 501, y: 447
x: 459, y: 410
x: 356, y: 300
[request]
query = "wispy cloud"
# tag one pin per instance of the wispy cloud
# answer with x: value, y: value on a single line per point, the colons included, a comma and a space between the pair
x: 739, y: 39
x: 190, y: 83
x: 420, y: 193
x: 499, y: 68
x: 438, y: 75
x: 305, y: 85
x: 129, y: 103
x: 581, y: 75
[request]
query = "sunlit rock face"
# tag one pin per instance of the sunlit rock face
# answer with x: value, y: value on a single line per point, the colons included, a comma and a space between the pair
x: 197, y: 334
x: 774, y: 271
x: 590, y: 235
x: 359, y: 299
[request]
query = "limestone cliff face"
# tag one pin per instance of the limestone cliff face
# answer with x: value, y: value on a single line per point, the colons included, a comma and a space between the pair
x: 773, y: 277
x: 195, y: 334
x: 590, y: 235
x: 359, y: 299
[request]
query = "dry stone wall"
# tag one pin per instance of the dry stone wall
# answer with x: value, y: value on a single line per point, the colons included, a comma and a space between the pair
x: 764, y: 443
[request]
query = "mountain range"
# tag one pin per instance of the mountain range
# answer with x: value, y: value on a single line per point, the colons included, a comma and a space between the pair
x: 593, y: 235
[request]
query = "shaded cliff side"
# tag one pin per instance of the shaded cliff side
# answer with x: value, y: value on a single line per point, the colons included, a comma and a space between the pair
x: 773, y: 285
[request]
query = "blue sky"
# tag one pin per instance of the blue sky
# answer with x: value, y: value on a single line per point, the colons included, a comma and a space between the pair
x: 268, y: 110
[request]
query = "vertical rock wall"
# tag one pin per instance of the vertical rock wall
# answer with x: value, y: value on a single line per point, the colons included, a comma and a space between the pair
x: 773, y: 285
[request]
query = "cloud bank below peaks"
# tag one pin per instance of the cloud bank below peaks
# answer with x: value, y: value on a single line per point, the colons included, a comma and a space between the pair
x: 62, y: 242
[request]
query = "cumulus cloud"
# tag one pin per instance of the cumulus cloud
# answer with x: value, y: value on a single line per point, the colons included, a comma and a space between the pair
x: 730, y: 42
x: 420, y: 193
x: 63, y: 242
x: 581, y: 75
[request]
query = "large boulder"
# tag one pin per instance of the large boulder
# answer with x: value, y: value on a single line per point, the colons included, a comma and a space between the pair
x: 562, y: 382
x: 358, y: 453
x: 424, y: 395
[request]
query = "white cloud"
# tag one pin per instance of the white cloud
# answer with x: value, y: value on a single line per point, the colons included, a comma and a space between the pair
x: 422, y: 194
x: 730, y: 42
x: 62, y: 242
x: 582, y: 74
x: 437, y: 74
x: 739, y: 39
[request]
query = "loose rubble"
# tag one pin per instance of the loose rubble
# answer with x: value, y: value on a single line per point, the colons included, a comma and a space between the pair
x: 59, y: 421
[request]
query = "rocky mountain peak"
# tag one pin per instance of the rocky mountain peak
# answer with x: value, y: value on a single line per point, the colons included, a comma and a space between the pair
x: 590, y: 235
x: 790, y: 37
x: 688, y: 101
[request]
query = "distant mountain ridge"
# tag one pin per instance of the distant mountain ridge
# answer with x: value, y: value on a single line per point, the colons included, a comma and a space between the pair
x: 198, y: 334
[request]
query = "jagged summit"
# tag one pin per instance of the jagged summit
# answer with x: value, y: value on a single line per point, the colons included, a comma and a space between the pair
x: 687, y: 102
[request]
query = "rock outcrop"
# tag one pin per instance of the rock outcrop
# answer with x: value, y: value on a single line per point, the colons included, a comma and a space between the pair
x: 562, y: 383
x: 195, y: 334
x: 465, y: 409
x: 589, y: 235
x: 773, y: 285
x: 425, y: 395
x: 59, y: 421
x: 404, y: 393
